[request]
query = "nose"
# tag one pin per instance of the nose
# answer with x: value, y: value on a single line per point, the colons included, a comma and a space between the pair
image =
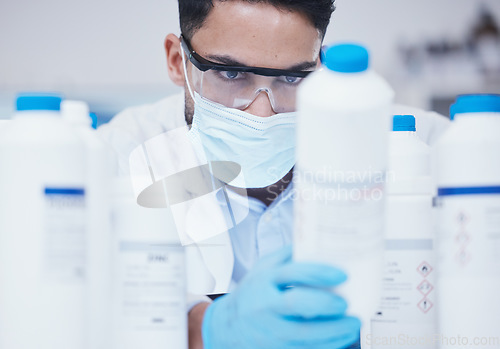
x: 261, y: 105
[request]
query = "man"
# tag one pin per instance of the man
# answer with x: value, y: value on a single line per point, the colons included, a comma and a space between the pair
x: 251, y: 38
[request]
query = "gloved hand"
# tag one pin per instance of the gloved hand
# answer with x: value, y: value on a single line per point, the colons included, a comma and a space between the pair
x: 281, y: 305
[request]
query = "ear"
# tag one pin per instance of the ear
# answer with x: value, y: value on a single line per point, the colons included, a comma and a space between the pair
x: 174, y: 59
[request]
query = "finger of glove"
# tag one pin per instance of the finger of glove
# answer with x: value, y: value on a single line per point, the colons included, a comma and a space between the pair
x: 340, y: 343
x: 274, y: 259
x: 308, y: 274
x: 308, y: 303
x: 346, y: 342
x: 316, y: 332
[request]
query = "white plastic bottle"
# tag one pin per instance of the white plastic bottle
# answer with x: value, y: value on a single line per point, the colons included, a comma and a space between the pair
x: 99, y: 172
x: 407, y: 313
x: 344, y: 115
x: 149, y: 297
x: 3, y: 123
x: 42, y: 229
x: 468, y: 226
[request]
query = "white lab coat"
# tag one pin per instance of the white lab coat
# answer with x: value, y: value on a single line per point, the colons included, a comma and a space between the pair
x: 211, y: 268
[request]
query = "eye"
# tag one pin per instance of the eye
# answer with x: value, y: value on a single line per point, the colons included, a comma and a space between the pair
x: 291, y: 80
x: 230, y: 74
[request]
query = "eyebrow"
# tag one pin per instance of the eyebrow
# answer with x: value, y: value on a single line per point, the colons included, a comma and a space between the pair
x: 303, y: 66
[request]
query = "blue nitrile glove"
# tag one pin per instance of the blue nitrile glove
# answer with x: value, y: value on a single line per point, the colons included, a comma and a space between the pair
x: 281, y: 305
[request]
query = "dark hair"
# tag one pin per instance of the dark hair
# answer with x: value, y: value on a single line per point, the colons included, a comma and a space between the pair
x: 192, y: 13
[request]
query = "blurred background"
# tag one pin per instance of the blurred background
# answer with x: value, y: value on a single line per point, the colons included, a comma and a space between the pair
x: 110, y: 52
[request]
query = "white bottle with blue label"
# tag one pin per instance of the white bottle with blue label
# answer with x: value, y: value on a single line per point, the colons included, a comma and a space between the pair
x: 42, y: 229
x: 407, y: 311
x: 99, y: 172
x: 468, y: 225
x: 344, y: 116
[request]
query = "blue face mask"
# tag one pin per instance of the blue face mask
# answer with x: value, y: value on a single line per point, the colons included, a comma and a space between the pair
x: 264, y: 147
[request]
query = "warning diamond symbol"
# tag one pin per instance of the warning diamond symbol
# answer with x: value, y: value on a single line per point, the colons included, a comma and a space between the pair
x: 425, y: 287
x: 463, y: 257
x: 462, y: 238
x: 425, y: 305
x: 424, y: 269
x: 462, y: 218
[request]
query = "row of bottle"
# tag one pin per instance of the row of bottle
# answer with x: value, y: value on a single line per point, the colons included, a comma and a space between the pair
x: 56, y: 293
x: 442, y: 265
x: 81, y: 264
x: 365, y: 199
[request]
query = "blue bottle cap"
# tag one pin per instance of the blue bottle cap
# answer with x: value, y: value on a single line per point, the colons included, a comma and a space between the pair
x: 347, y: 58
x: 38, y: 101
x: 475, y: 103
x: 403, y: 123
x: 93, y: 116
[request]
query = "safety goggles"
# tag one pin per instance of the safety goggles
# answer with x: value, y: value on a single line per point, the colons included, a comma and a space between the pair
x: 238, y: 86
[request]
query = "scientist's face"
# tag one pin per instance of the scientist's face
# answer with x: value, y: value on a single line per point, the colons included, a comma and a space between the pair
x: 250, y: 34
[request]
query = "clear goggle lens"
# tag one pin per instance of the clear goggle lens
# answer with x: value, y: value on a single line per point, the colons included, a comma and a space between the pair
x: 238, y: 86
x: 239, y: 89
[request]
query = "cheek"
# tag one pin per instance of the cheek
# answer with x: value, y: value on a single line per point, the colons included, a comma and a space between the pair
x: 189, y: 107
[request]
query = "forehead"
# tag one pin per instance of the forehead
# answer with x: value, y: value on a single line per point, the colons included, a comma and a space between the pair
x: 257, y: 34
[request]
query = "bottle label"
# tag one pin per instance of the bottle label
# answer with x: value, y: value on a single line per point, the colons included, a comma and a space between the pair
x: 338, y: 221
x: 65, y: 240
x: 408, y: 284
x: 468, y: 233
x: 151, y: 288
x: 341, y: 224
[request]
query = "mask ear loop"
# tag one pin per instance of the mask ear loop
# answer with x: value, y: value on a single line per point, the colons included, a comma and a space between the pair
x: 224, y: 189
